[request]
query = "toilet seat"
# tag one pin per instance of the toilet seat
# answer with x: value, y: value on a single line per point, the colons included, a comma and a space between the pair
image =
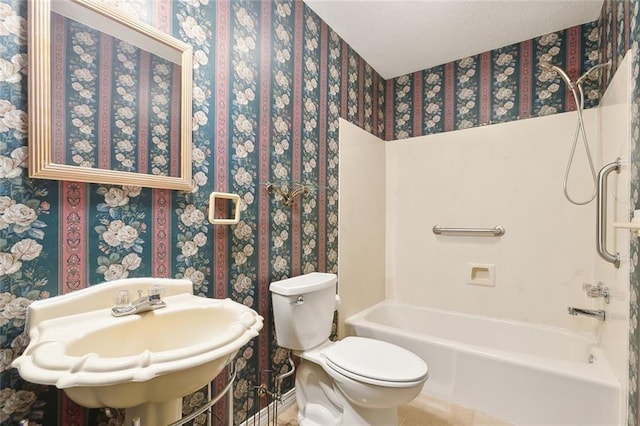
x: 375, y: 362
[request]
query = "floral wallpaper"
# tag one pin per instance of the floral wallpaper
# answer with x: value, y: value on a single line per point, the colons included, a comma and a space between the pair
x: 493, y: 87
x: 270, y: 81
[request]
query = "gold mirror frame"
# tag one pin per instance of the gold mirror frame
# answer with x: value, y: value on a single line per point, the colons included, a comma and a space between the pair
x: 41, y: 165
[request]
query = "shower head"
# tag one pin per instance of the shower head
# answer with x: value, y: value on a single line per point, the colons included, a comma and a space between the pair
x: 590, y: 70
x: 553, y: 67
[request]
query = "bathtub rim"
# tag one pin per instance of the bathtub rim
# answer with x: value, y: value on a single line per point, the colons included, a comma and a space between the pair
x: 602, y: 375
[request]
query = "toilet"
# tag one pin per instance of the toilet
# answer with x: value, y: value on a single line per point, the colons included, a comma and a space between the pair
x: 354, y: 381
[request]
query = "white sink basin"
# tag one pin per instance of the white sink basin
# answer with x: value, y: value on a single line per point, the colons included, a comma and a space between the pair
x: 145, y: 362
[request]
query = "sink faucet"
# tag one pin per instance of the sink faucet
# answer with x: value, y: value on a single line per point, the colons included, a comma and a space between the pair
x: 123, y: 305
x: 598, y: 314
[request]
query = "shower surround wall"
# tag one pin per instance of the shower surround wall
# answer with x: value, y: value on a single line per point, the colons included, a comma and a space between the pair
x: 271, y: 81
x: 508, y: 175
x: 504, y: 85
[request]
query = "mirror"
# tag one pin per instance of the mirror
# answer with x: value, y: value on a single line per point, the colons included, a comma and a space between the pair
x: 109, y: 98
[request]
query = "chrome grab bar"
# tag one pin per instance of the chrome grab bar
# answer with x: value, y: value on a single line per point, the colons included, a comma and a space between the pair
x: 601, y: 213
x: 483, y: 232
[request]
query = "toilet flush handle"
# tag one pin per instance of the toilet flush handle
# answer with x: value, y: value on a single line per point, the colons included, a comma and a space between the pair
x: 299, y: 300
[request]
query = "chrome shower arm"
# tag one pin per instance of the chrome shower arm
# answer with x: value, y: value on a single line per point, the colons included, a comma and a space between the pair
x: 584, y: 76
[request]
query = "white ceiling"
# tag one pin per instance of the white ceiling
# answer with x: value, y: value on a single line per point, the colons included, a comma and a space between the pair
x: 399, y: 37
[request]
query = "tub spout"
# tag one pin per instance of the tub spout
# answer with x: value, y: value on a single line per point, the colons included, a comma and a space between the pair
x: 598, y: 314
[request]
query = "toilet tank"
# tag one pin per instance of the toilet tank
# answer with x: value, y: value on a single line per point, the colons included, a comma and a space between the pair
x: 303, y: 309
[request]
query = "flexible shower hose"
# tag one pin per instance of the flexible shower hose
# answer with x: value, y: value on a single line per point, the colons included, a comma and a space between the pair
x: 580, y: 130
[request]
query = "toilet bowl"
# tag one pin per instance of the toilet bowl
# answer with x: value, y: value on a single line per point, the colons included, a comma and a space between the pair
x: 353, y: 381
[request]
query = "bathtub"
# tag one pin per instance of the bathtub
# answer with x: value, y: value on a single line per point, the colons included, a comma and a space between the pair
x: 522, y: 373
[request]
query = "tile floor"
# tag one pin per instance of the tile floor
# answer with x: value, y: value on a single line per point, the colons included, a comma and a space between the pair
x: 423, y: 411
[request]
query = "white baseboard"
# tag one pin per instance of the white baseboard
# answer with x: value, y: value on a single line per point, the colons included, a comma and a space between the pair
x: 261, y: 418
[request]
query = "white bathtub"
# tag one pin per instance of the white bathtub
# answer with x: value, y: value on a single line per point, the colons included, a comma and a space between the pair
x: 523, y: 373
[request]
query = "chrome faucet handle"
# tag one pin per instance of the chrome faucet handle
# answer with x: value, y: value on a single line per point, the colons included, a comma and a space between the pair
x: 122, y: 299
x: 598, y: 290
x: 155, y: 294
x: 122, y: 303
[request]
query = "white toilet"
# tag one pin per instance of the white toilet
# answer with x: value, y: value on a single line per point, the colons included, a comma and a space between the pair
x: 354, y: 381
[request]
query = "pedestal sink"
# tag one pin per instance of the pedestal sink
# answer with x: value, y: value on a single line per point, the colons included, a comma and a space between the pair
x: 143, y: 362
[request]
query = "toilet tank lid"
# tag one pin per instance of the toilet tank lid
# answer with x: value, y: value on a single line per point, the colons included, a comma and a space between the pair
x: 303, y: 283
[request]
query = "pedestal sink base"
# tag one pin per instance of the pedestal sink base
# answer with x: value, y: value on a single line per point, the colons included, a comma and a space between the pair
x: 152, y: 414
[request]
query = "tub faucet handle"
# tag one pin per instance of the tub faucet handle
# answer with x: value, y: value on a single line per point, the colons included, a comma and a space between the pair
x: 598, y: 290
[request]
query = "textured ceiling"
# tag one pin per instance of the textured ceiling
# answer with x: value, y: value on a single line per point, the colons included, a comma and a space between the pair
x: 399, y: 37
